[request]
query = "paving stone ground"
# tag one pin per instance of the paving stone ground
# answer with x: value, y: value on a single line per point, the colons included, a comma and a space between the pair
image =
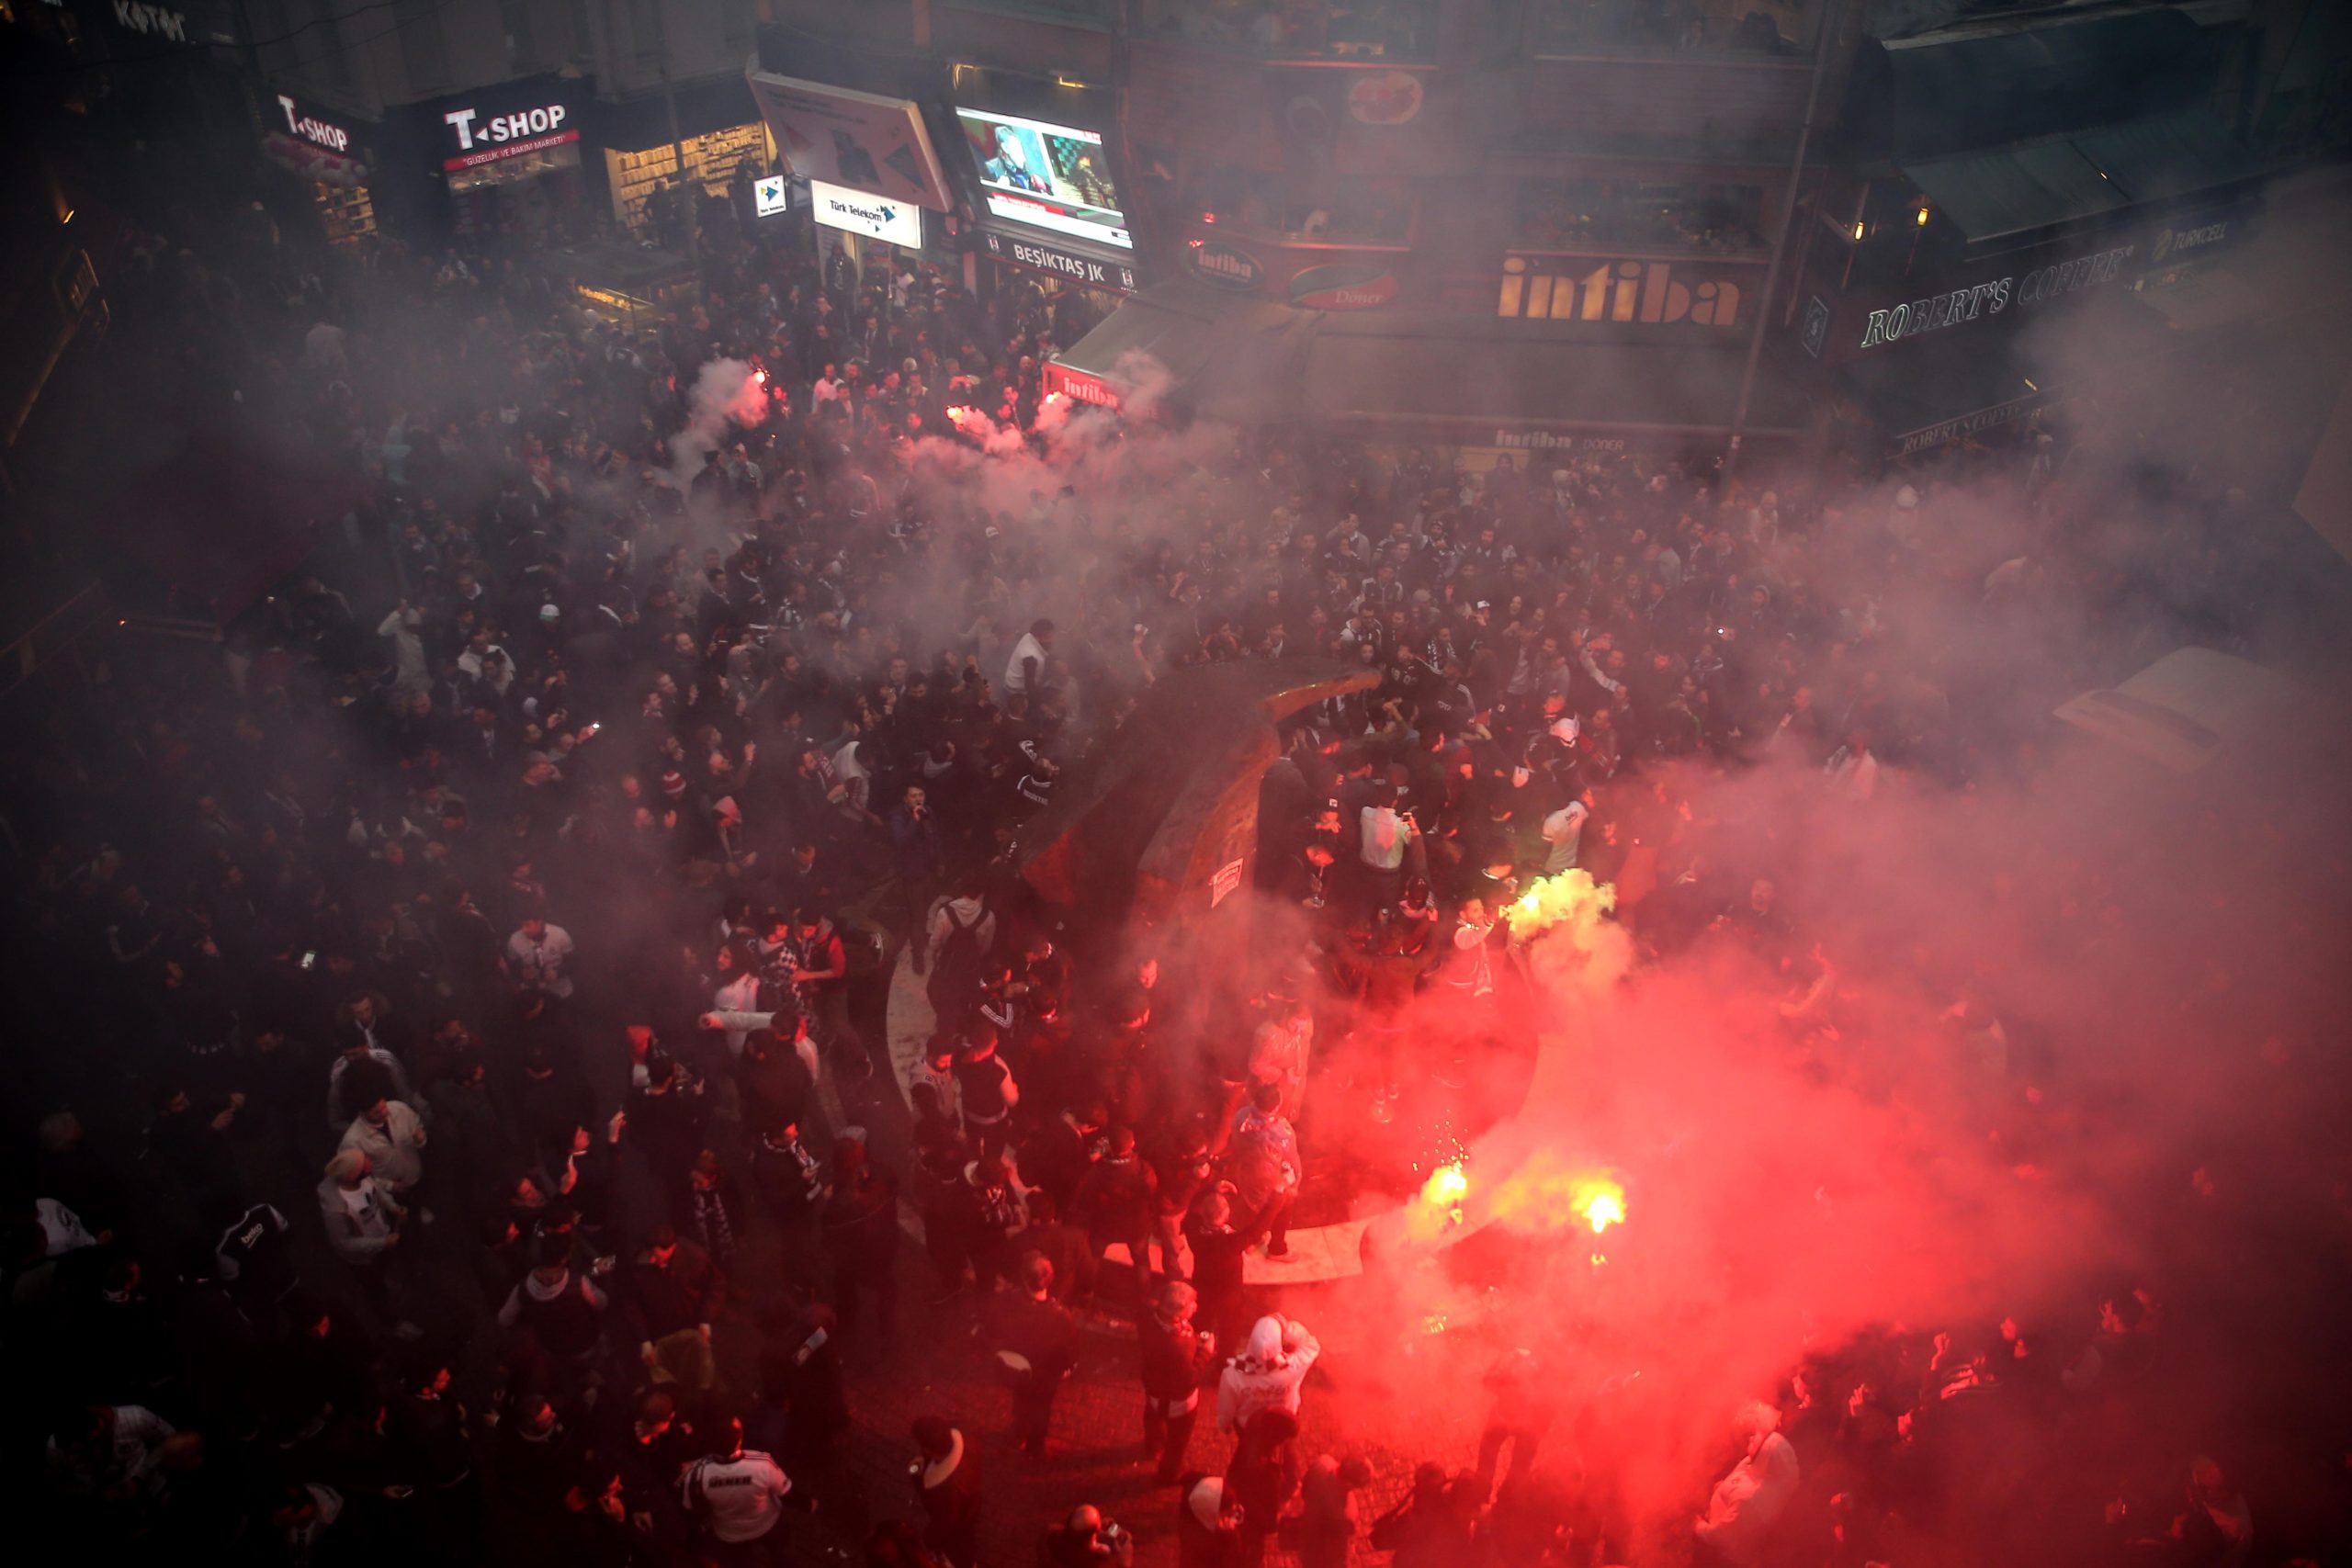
x: 938, y: 1366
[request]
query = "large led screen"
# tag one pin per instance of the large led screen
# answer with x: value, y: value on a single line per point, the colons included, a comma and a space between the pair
x: 1047, y: 177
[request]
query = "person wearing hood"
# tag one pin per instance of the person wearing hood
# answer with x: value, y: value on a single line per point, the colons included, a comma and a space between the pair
x: 1747, y: 1502
x: 1208, y: 1523
x: 1267, y: 1375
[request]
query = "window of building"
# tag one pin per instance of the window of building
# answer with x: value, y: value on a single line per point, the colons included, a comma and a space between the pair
x: 521, y: 42
x: 1364, y: 29
x: 325, y: 47
x: 1324, y: 209
x: 1720, y: 26
x: 424, y: 52
x: 1721, y: 219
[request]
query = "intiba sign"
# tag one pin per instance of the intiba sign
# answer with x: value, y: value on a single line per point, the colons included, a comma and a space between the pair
x: 1937, y: 312
x: 1642, y: 293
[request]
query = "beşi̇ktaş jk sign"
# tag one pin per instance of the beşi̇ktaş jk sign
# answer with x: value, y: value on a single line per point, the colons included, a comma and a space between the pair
x: 482, y: 139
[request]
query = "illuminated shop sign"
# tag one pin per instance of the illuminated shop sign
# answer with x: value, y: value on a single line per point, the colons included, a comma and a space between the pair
x: 1071, y: 265
x: 877, y: 218
x: 1937, y: 311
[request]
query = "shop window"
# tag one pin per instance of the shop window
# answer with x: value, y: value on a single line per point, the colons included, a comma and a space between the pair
x: 1712, y: 219
x: 1326, y: 210
x: 1717, y: 26
x: 1295, y: 29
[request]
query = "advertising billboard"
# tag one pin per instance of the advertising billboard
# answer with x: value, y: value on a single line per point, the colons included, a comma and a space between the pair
x: 875, y: 217
x: 1047, y: 176
x: 847, y: 138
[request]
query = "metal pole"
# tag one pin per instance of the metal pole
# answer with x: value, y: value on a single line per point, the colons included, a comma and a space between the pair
x: 687, y: 187
x: 1831, y: 15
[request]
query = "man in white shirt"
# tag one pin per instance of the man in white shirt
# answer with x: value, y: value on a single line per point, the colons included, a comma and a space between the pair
x: 737, y: 1496
x: 1564, y: 835
x: 1025, y: 670
x: 390, y: 1136
x: 538, y: 952
x: 362, y: 1221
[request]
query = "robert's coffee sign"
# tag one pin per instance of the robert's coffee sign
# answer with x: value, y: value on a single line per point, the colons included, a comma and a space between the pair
x: 1956, y: 307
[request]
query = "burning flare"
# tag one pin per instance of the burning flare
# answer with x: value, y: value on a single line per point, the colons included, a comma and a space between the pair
x: 1606, y: 1207
x: 1570, y: 899
x: 1439, y: 1208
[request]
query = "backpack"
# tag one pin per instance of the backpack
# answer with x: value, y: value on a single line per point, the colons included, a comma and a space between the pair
x: 955, y: 981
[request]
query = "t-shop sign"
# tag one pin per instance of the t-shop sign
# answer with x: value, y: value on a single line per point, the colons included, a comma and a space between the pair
x: 485, y: 139
x: 310, y: 128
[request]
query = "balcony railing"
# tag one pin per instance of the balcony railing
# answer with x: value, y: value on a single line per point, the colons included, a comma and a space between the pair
x: 1365, y: 31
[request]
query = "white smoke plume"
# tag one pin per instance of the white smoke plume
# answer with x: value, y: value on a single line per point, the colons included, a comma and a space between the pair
x: 727, y: 392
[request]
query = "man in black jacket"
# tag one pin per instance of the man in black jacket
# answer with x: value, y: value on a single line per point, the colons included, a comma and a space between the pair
x: 1175, y: 1357
x: 1036, y: 1340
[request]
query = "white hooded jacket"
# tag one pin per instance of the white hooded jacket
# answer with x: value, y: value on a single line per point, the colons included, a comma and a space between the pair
x: 1267, y: 1375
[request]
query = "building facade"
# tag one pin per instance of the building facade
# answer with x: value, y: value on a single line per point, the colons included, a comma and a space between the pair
x: 1520, y: 227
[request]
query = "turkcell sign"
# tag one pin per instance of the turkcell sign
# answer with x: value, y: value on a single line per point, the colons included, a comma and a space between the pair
x: 1077, y: 267
x: 878, y: 217
x: 485, y: 140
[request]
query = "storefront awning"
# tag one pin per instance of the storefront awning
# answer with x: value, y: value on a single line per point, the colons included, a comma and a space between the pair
x: 1997, y: 80
x: 2058, y: 179
x: 2011, y: 191
x: 1480, y: 388
x: 1944, y: 392
x: 1213, y: 354
x: 2168, y: 155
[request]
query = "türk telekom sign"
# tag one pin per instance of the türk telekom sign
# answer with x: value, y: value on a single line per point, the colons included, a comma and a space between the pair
x: 876, y: 217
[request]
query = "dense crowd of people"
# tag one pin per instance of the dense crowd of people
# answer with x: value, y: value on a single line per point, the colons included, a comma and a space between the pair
x: 474, y: 1135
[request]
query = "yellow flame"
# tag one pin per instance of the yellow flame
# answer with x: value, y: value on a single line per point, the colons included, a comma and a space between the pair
x: 1439, y: 1209
x: 1571, y: 899
x: 1603, y: 1209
